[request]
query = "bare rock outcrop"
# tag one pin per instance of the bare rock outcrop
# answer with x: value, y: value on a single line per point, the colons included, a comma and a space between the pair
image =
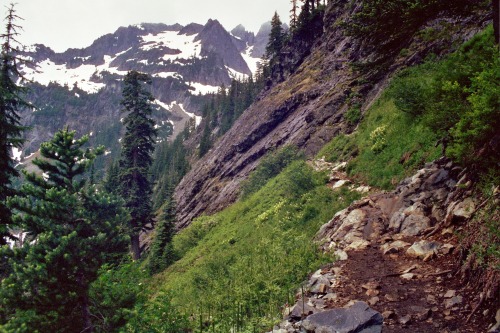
x: 418, y: 204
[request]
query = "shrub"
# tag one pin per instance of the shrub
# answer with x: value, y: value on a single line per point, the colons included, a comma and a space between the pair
x: 378, y: 139
x: 353, y: 115
x: 269, y: 167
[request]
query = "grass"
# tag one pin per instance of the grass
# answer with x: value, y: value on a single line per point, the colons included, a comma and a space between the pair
x: 241, y: 266
x: 387, y: 146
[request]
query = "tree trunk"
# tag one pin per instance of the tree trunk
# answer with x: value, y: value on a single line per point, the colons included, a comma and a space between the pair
x: 135, y: 247
x: 496, y: 20
x: 84, y: 304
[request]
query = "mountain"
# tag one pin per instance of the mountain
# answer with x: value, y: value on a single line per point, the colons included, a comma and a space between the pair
x: 81, y: 88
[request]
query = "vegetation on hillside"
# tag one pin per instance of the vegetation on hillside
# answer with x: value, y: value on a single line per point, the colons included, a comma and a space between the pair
x: 238, y: 269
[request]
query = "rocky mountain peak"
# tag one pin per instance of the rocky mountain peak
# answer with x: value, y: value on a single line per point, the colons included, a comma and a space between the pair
x: 191, y: 29
x: 215, y: 39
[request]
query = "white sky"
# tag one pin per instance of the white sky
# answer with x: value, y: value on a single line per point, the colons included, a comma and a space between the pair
x: 63, y: 24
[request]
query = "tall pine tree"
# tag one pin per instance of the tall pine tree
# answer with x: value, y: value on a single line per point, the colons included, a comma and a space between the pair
x: 11, y: 130
x: 136, y: 158
x: 72, y: 230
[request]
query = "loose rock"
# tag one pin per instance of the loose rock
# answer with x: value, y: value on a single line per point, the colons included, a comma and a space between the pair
x: 359, y: 317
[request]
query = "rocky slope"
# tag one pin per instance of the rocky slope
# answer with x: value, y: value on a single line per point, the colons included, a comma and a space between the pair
x: 307, y: 109
x: 81, y: 88
x: 397, y: 261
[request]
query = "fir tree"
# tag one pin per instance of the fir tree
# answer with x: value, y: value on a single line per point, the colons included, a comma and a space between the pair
x: 293, y: 15
x: 10, y: 127
x: 162, y: 252
x: 205, y: 142
x: 73, y: 229
x: 111, y: 182
x: 136, y: 157
x: 276, y: 41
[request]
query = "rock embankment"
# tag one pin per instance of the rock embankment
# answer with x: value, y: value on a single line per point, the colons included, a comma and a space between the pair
x: 395, y: 262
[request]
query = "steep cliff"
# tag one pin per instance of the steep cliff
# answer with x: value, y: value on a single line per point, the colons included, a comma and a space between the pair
x: 307, y: 109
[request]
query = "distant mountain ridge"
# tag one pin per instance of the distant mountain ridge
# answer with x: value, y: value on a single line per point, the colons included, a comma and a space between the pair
x: 81, y: 88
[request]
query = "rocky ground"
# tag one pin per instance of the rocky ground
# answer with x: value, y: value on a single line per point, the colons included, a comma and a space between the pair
x: 397, y: 262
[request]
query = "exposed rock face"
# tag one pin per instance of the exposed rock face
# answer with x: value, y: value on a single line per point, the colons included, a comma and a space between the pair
x: 261, y: 38
x: 216, y: 39
x: 306, y: 110
x: 418, y: 204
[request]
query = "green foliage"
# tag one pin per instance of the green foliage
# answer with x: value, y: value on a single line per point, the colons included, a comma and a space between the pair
x: 72, y: 230
x: 170, y: 164
x: 353, y: 114
x: 382, y: 158
x: 115, y: 294
x: 157, y: 316
x: 309, y: 26
x: 455, y: 100
x: 378, y: 138
x: 224, y: 108
x: 458, y: 98
x: 11, y: 103
x: 410, y: 93
x: 389, y: 25
x: 240, y: 266
x: 138, y: 145
x: 269, y: 167
x: 162, y: 253
x: 484, y: 233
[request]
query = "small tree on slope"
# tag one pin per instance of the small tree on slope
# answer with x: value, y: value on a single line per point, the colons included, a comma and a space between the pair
x: 162, y: 251
x: 72, y: 230
x: 137, y: 148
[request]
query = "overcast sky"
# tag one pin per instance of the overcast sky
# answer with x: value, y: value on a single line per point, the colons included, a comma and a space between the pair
x: 63, y: 24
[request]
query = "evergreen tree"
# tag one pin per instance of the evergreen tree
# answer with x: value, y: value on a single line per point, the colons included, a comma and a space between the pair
x: 162, y: 252
x: 111, y: 183
x: 136, y: 157
x: 293, y: 15
x: 10, y: 127
x: 276, y: 41
x: 205, y: 142
x: 73, y: 229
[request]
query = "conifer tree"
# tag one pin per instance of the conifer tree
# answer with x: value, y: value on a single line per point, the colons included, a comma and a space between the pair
x: 162, y: 252
x: 293, y: 15
x: 276, y: 40
x: 111, y: 183
x: 73, y: 229
x: 136, y: 157
x: 11, y: 130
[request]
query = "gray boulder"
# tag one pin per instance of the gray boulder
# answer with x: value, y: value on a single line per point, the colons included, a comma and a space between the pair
x: 359, y: 318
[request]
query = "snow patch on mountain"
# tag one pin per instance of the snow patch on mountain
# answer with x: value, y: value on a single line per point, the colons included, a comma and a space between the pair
x: 186, y: 45
x: 16, y: 154
x: 197, y: 119
x: 47, y: 72
x: 251, y: 61
x: 167, y: 75
x: 203, y: 89
x: 84, y: 76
